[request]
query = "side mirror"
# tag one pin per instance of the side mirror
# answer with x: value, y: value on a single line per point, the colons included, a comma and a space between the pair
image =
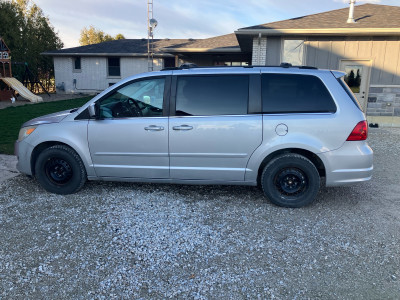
x: 92, y: 110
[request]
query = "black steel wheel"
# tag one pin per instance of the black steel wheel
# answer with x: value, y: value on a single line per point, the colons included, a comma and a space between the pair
x: 60, y: 170
x: 290, y: 180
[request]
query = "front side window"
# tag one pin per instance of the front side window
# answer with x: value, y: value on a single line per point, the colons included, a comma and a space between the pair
x: 142, y: 98
x: 114, y: 68
x: 212, y: 95
x: 295, y: 93
x: 293, y: 52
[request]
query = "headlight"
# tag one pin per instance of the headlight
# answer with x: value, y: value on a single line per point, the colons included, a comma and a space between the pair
x: 25, y: 131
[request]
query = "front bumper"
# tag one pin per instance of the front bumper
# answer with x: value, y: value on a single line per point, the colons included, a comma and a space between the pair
x: 353, y: 162
x: 23, y: 151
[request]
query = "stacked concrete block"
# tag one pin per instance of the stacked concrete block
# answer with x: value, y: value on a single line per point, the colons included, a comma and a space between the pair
x: 259, y: 52
x: 384, y: 101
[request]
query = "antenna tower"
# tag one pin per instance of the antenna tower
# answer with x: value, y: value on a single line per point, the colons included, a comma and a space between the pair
x: 151, y: 24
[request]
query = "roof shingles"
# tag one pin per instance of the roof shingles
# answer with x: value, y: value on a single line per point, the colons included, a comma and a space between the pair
x: 126, y: 46
x: 366, y: 16
x: 139, y: 46
x: 222, y: 41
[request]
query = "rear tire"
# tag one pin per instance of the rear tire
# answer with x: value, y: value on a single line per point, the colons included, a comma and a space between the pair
x: 60, y: 170
x: 290, y: 180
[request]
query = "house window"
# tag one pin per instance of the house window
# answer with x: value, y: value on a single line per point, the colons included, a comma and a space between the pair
x: 77, y: 63
x: 114, y: 68
x: 293, y: 52
x: 230, y: 63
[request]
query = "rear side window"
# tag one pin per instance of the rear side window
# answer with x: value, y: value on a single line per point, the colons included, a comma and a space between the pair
x: 294, y: 93
x: 212, y: 95
x: 349, y: 92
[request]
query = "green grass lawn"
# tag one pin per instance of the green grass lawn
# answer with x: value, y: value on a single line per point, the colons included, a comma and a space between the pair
x: 11, y: 118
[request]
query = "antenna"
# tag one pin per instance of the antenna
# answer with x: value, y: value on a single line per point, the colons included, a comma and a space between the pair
x: 151, y: 25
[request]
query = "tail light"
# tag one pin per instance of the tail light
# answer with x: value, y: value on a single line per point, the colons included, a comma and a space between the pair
x: 360, y: 132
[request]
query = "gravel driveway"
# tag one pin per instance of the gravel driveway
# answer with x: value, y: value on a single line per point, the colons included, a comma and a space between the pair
x: 120, y: 240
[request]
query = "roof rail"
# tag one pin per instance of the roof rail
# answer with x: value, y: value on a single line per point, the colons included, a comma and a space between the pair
x: 193, y: 66
x: 308, y: 67
x: 182, y: 67
x: 188, y: 66
x: 285, y: 65
x: 282, y: 65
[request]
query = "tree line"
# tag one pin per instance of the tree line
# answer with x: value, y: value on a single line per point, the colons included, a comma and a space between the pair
x: 92, y: 35
x: 28, y: 32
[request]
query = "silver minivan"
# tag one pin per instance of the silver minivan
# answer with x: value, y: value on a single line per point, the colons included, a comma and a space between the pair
x: 286, y: 129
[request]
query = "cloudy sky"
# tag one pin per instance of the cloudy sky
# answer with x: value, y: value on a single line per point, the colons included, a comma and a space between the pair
x: 177, y: 18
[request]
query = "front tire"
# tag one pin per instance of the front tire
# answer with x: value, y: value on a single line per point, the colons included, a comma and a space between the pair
x: 290, y: 180
x: 60, y: 170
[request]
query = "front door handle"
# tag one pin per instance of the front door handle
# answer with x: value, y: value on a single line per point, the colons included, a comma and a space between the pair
x: 182, y: 127
x: 154, y: 128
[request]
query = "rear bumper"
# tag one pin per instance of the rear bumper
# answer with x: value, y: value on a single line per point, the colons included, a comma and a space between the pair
x: 351, y: 163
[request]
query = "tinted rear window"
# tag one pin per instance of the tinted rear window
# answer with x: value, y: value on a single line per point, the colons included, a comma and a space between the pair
x: 349, y: 92
x: 292, y: 93
x: 212, y: 95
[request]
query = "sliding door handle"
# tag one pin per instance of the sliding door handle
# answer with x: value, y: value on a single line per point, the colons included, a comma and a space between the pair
x: 182, y: 127
x: 154, y: 128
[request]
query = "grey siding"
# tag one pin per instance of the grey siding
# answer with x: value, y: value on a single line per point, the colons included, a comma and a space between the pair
x: 384, y: 53
x: 273, y: 51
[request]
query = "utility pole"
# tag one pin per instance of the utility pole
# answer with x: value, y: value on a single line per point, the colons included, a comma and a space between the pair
x: 151, y: 24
